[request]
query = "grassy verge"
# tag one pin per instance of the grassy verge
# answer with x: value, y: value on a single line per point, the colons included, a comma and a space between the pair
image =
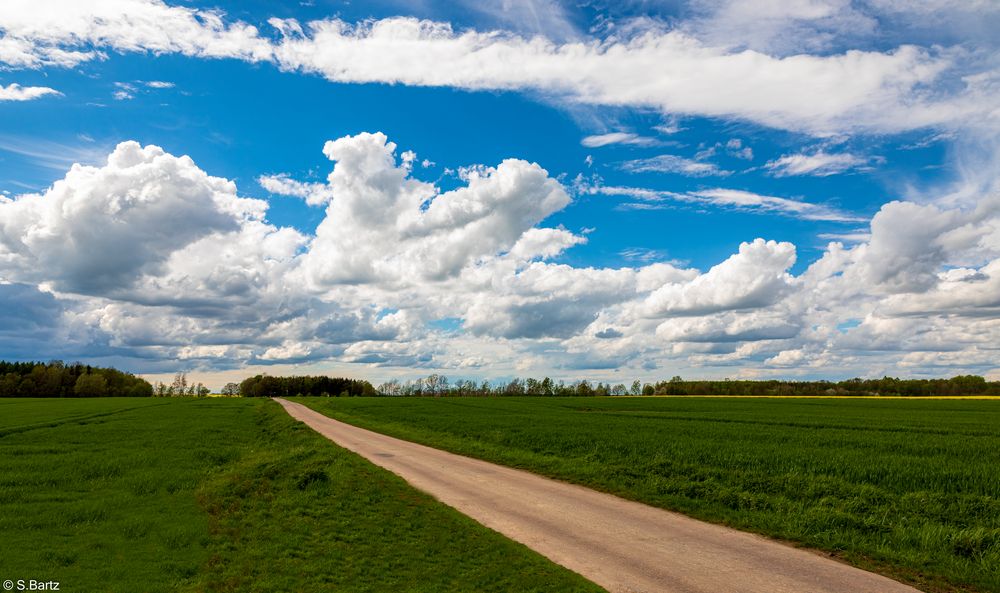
x: 227, y: 495
x: 907, y: 488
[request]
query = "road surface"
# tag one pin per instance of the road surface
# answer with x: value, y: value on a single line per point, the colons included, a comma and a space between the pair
x: 623, y: 546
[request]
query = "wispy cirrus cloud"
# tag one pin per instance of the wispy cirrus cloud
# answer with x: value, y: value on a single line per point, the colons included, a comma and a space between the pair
x: 856, y: 236
x: 727, y: 198
x: 55, y: 155
x: 681, y: 69
x: 598, y: 140
x: 671, y: 163
x: 819, y: 164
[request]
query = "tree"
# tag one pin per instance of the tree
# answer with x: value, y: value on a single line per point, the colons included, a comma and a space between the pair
x: 636, y: 388
x: 435, y: 384
x: 179, y: 385
x: 515, y: 387
x: 231, y: 389
x: 90, y: 385
x: 546, y: 386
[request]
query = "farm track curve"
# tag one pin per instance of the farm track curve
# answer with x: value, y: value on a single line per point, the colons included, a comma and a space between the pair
x: 623, y: 546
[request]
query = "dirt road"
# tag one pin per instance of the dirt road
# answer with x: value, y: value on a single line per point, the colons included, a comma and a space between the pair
x: 621, y: 545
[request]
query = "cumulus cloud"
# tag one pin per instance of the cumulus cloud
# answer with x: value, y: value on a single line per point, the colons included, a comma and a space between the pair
x: 383, y: 224
x: 730, y: 327
x: 16, y: 92
x: 544, y: 243
x: 33, y: 322
x: 315, y: 194
x: 73, y: 234
x: 27, y: 309
x: 550, y: 300
x: 208, y: 280
x: 755, y: 277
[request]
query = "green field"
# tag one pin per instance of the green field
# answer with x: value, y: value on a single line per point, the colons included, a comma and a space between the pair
x: 151, y: 495
x: 904, y: 487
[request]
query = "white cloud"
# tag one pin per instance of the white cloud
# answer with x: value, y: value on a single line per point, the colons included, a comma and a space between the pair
x: 552, y: 300
x: 16, y: 92
x: 735, y: 148
x: 727, y: 198
x: 910, y: 242
x: 544, y: 243
x: 382, y: 224
x: 648, y: 65
x: 599, y: 140
x: 55, y: 155
x: 784, y: 27
x: 818, y: 94
x: 159, y: 84
x: 73, y: 234
x: 670, y: 163
x: 643, y: 254
x: 818, y: 164
x: 796, y: 208
x: 207, y: 280
x: 66, y: 32
x: 730, y: 327
x: 849, y: 237
x: 755, y: 277
x: 669, y: 126
x: 126, y: 91
x: 315, y: 194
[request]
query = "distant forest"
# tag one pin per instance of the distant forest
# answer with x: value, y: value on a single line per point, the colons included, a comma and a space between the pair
x: 437, y: 385
x: 57, y: 379
x: 267, y: 386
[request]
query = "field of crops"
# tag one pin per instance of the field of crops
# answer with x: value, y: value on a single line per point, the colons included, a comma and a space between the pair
x: 904, y: 487
x: 152, y: 495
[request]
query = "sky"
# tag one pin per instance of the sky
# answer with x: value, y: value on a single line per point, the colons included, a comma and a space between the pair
x: 804, y: 189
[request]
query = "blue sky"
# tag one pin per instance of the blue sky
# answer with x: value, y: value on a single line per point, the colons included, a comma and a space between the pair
x: 709, y: 188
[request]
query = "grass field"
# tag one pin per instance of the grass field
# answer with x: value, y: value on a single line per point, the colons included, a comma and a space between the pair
x: 909, y: 488
x: 144, y: 496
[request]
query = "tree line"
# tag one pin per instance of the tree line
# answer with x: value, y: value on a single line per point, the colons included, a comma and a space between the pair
x: 58, y: 379
x: 268, y: 386
x: 180, y: 388
x: 438, y: 385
